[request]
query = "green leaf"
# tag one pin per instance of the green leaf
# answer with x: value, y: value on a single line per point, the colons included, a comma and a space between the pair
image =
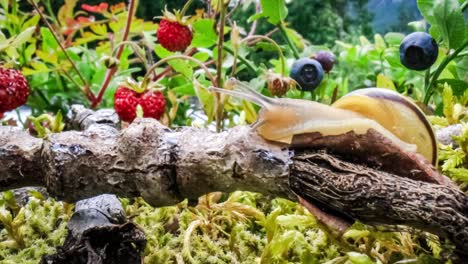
x: 458, y: 86
x: 358, y: 258
x: 204, y: 35
x: 32, y: 22
x: 201, y: 56
x: 23, y: 37
x: 250, y: 113
x: 185, y: 89
x: 206, y: 99
x: 379, y: 42
x: 182, y: 66
x: 162, y: 52
x: 48, y: 41
x: 392, y: 55
x: 385, y: 82
x: 274, y: 10
x: 446, y: 20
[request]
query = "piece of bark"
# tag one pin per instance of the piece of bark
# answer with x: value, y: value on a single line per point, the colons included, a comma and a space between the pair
x: 98, y: 233
x: 20, y: 159
x: 356, y: 192
x: 81, y: 118
x: 375, y: 151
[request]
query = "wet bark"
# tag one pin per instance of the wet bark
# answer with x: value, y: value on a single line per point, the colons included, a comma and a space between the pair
x: 352, y: 191
x: 146, y: 159
x: 165, y: 166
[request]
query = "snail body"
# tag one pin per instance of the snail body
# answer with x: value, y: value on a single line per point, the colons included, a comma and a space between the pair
x: 390, y: 114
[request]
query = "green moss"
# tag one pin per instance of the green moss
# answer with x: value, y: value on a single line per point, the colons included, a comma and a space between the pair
x: 248, y: 228
x: 453, y: 161
x: 31, y: 231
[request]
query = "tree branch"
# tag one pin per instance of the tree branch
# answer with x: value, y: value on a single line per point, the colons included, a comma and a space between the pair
x: 165, y: 166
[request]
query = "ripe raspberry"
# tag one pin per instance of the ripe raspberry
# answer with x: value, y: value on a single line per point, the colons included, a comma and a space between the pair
x: 174, y: 36
x: 14, y: 89
x: 126, y: 101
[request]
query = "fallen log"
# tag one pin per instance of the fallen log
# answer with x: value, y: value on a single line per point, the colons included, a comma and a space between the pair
x: 146, y: 159
x: 165, y: 166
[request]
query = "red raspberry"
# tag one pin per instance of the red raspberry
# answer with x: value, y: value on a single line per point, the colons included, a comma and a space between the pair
x: 126, y: 101
x: 14, y: 89
x: 174, y: 36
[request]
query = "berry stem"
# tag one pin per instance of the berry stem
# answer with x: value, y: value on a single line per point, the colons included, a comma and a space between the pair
x: 50, y: 11
x: 258, y: 9
x: 219, y: 65
x: 169, y: 69
x: 278, y: 48
x: 110, y: 72
x: 293, y: 47
x: 242, y: 59
x: 185, y: 8
x: 429, y: 87
x: 86, y: 89
x: 135, y: 48
x: 146, y: 79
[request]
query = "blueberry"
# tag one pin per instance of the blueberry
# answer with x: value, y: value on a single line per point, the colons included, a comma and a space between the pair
x: 326, y: 59
x: 308, y: 73
x: 418, y: 51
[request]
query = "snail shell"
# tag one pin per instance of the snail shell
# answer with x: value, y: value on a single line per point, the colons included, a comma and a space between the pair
x: 397, y: 114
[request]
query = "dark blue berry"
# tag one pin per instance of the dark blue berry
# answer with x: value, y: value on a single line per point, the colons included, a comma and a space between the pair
x: 308, y: 73
x: 326, y: 59
x: 418, y: 51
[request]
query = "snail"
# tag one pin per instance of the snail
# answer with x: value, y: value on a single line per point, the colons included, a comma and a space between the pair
x: 387, y: 112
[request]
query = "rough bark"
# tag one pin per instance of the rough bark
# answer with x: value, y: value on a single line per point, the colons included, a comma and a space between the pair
x: 165, y: 166
x: 145, y: 159
x: 358, y: 192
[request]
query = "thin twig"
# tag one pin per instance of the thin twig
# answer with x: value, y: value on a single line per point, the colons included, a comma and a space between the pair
x: 242, y: 59
x: 219, y: 64
x: 293, y: 47
x: 278, y: 48
x: 168, y: 69
x: 54, y: 34
x: 429, y: 89
x: 182, y: 57
x: 258, y: 9
x: 110, y: 72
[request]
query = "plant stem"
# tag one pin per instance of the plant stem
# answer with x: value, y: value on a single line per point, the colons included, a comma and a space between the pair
x: 242, y: 59
x: 51, y: 12
x: 293, y: 47
x: 185, y: 8
x: 135, y: 48
x: 258, y: 9
x: 429, y: 88
x: 280, y: 51
x: 168, y: 69
x: 219, y: 64
x: 86, y: 90
x: 110, y: 72
x: 427, y: 77
x: 464, y: 6
x: 183, y: 57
